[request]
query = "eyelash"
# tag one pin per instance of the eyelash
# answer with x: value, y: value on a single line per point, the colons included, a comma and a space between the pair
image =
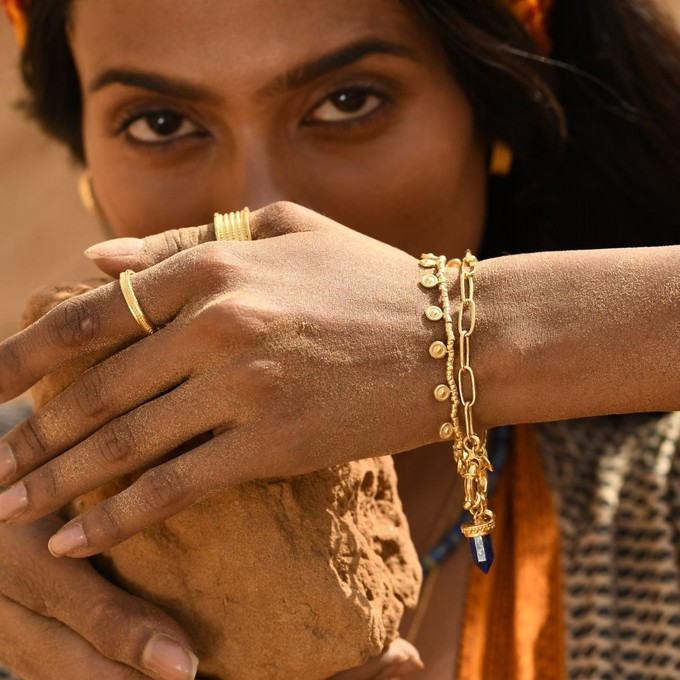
x: 367, y: 90
x: 131, y: 117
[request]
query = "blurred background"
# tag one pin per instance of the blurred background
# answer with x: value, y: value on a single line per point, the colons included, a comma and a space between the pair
x: 43, y: 227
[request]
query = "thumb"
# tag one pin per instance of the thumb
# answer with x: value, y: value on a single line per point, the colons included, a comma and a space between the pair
x: 120, y: 626
x: 116, y: 255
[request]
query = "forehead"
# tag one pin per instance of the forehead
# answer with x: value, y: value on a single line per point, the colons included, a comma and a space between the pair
x: 249, y: 35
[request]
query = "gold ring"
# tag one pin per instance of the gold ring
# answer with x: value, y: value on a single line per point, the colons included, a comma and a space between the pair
x: 233, y: 226
x: 133, y: 303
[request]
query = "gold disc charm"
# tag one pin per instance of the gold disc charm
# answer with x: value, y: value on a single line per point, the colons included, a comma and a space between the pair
x: 428, y: 260
x: 446, y: 431
x: 442, y: 393
x: 429, y: 281
x: 434, y: 313
x: 437, y: 349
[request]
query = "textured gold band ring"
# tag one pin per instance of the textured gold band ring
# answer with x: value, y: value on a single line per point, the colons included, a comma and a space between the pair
x: 133, y: 303
x: 233, y: 226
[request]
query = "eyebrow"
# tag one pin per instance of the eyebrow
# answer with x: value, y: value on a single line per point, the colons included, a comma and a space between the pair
x: 345, y: 56
x: 173, y: 87
x: 295, y: 78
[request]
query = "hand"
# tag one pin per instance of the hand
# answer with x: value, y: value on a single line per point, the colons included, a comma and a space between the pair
x: 399, y: 660
x: 303, y: 349
x: 61, y: 619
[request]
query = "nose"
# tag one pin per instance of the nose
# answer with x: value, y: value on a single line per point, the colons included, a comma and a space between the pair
x: 260, y: 174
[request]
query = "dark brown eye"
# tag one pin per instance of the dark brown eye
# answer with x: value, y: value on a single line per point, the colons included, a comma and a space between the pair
x: 346, y: 105
x: 155, y: 127
x: 349, y: 101
x: 164, y: 123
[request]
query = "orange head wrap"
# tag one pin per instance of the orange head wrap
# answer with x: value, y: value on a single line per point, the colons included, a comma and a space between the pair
x: 17, y: 17
x: 532, y: 13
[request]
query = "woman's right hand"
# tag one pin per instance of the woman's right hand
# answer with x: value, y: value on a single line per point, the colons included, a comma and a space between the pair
x: 61, y: 619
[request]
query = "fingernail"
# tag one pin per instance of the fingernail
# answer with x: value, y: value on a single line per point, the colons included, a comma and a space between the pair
x: 8, y: 464
x: 117, y: 247
x: 67, y: 540
x: 169, y: 659
x: 12, y: 502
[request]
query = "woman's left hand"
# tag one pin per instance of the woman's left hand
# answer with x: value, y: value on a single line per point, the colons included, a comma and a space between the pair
x: 399, y: 660
x: 302, y: 349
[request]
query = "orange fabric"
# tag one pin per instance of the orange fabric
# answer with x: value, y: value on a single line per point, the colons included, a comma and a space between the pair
x: 513, y: 625
x: 17, y: 18
x: 535, y: 15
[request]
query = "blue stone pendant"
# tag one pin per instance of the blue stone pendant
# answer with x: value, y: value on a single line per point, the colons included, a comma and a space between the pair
x: 482, y: 552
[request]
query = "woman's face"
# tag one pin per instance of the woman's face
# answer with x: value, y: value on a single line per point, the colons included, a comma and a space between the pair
x: 196, y: 106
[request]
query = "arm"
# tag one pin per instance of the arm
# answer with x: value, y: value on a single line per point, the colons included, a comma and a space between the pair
x: 307, y: 348
x: 572, y: 334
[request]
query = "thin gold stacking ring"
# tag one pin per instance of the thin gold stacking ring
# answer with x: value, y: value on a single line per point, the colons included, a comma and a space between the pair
x: 133, y: 303
x: 233, y: 226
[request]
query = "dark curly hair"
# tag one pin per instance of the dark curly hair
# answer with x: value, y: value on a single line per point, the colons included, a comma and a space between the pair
x: 612, y: 82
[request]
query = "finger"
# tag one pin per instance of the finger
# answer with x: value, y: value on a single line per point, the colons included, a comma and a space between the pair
x: 63, y: 653
x: 119, y: 626
x: 129, y: 443
x: 115, y: 256
x: 97, y: 396
x: 101, y: 322
x: 97, y: 321
x: 399, y: 660
x: 163, y: 491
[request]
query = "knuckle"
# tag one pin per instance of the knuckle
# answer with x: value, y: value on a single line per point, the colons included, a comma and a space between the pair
x: 11, y: 358
x: 161, y: 487
x: 281, y: 211
x: 29, y: 441
x: 109, y: 523
x: 216, y: 264
x: 236, y: 320
x: 72, y: 323
x: 285, y: 217
x: 104, y: 613
x: 43, y: 483
x: 177, y: 240
x: 261, y: 376
x: 89, y: 393
x: 117, y: 442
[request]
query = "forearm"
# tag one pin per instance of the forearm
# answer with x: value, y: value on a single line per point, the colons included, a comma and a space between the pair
x: 567, y: 335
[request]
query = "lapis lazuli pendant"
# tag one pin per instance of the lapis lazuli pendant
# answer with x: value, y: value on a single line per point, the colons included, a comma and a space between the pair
x: 481, y: 548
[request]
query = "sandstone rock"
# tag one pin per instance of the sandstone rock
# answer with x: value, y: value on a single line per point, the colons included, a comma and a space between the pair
x: 279, y: 579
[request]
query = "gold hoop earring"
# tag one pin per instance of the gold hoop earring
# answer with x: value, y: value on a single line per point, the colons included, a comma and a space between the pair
x: 86, y: 194
x: 500, y: 161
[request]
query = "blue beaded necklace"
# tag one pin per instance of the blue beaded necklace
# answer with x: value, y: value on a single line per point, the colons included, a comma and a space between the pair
x: 451, y: 538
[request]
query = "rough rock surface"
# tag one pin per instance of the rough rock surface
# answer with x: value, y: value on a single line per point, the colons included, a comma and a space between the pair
x: 280, y: 579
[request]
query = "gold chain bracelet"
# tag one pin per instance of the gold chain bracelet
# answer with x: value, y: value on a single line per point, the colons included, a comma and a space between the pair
x: 469, y: 448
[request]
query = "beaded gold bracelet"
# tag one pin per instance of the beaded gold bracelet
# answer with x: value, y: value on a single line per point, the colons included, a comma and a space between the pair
x: 469, y: 448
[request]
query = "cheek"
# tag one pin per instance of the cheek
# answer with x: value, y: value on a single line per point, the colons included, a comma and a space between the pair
x: 422, y: 187
x: 137, y: 201
x: 145, y: 193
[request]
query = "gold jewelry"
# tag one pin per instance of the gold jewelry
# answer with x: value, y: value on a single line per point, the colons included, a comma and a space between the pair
x: 86, y: 194
x: 439, y: 349
x: 233, y: 226
x: 500, y: 161
x: 470, y: 453
x: 133, y: 303
x: 469, y: 448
